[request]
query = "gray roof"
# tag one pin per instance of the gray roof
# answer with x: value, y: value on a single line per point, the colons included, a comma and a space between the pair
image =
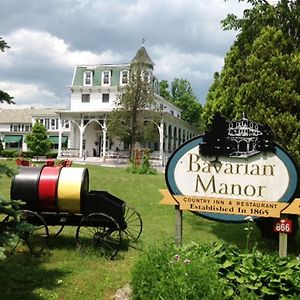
x: 142, y: 56
x: 13, y: 116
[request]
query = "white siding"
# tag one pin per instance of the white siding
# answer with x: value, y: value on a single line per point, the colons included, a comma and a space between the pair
x: 4, y: 127
x: 95, y: 103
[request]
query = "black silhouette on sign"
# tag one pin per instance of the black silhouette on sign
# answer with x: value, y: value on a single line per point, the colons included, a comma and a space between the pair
x: 242, y: 138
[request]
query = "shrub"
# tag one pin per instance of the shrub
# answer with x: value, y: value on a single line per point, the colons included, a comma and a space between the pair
x: 26, y: 154
x: 168, y: 272
x: 214, y: 271
x: 144, y: 168
x: 10, y: 153
x: 51, y: 154
x: 266, y: 275
x: 1, y: 146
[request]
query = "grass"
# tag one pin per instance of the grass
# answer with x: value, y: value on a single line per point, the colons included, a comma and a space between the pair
x: 62, y: 273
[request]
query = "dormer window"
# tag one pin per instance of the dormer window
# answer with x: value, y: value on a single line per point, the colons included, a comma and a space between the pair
x: 106, y: 77
x: 124, y: 77
x: 88, y: 78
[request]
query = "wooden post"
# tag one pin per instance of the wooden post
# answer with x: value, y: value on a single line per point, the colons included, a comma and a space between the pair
x: 283, y: 244
x: 178, y: 226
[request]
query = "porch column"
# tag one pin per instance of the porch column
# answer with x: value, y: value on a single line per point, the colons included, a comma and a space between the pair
x: 60, y: 121
x: 167, y: 139
x: 173, y: 138
x: 104, y: 130
x: 81, y: 130
x: 177, y: 138
x: 161, y: 141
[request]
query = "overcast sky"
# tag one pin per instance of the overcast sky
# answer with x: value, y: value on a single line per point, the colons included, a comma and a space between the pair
x: 49, y: 37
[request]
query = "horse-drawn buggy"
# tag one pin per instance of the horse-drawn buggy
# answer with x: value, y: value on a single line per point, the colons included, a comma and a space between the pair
x: 59, y: 196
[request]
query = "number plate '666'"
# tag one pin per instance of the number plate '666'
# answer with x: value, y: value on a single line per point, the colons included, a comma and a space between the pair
x: 283, y: 225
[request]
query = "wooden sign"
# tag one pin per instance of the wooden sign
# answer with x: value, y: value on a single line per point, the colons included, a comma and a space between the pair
x: 234, y: 170
x: 252, y: 208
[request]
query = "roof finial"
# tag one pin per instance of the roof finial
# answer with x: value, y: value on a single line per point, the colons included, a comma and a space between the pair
x: 143, y: 42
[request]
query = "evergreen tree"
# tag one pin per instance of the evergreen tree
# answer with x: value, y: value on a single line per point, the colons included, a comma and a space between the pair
x: 37, y: 140
x: 11, y: 228
x: 261, y: 74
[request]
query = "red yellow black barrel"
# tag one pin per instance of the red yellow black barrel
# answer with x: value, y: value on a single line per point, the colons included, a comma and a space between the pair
x: 48, y: 188
x: 24, y: 186
x: 73, y: 184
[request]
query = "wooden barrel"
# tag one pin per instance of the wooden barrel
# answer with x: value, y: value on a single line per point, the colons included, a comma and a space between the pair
x: 48, y: 188
x: 73, y: 184
x: 25, y: 185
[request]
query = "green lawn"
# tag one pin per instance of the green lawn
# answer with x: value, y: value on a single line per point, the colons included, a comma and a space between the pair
x: 62, y: 273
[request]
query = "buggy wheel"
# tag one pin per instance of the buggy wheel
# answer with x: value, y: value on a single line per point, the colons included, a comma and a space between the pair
x: 133, y: 224
x: 99, y: 231
x: 35, y: 235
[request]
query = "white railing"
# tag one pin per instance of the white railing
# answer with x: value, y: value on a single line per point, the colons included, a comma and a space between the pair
x: 70, y: 152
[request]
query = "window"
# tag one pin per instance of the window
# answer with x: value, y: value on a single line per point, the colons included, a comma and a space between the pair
x: 47, y: 123
x: 66, y: 124
x: 85, y: 98
x: 53, y: 124
x: 124, y: 77
x: 105, y: 78
x: 88, y: 78
x: 105, y: 98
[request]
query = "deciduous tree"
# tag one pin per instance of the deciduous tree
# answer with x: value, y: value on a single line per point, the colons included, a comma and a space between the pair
x: 127, y: 121
x: 4, y: 97
x: 182, y: 95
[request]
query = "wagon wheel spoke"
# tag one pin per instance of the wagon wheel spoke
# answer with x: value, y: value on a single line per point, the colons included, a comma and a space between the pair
x: 55, y: 230
x: 37, y: 237
x: 99, y: 231
x: 134, y: 224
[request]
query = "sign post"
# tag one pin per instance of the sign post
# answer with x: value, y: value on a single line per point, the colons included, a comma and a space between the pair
x: 178, y: 226
x: 284, y: 227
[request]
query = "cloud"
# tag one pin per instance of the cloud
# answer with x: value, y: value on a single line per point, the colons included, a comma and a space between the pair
x: 29, y: 93
x: 43, y: 63
x: 48, y: 38
x: 198, y: 67
x: 35, y: 47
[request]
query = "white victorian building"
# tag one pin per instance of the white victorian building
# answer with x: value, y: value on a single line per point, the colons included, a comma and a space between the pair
x: 81, y: 130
